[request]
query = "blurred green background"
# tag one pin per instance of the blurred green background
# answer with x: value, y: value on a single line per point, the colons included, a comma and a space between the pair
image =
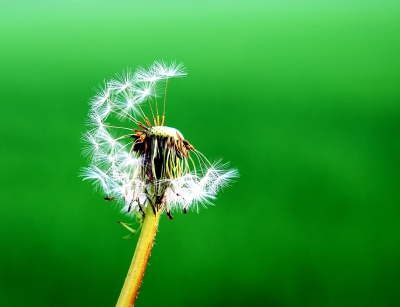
x: 302, y: 97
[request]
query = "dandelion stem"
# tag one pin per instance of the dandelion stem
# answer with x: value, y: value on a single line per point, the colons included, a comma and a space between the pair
x: 140, y: 259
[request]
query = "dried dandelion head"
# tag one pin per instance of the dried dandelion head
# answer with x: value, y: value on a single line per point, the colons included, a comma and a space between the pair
x: 145, y: 163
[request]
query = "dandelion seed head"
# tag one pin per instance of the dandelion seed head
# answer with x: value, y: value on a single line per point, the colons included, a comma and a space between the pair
x: 137, y: 160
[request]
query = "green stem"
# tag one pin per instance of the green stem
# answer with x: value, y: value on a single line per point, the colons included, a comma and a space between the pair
x: 140, y: 259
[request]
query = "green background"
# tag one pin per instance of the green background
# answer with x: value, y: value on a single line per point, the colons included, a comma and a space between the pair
x: 301, y: 96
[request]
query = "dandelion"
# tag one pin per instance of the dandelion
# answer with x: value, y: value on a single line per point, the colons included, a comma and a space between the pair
x: 142, y: 164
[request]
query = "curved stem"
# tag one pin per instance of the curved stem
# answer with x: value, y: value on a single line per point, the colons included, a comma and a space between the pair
x: 140, y: 259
